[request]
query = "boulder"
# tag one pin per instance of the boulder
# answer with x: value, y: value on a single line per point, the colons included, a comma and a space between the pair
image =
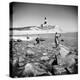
x: 45, y: 54
x: 30, y: 45
x: 67, y: 61
x: 30, y: 52
x: 34, y: 69
x: 44, y: 58
x: 58, y: 70
x: 28, y: 70
x: 63, y: 50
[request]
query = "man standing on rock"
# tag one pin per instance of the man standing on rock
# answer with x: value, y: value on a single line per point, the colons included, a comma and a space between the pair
x: 57, y: 35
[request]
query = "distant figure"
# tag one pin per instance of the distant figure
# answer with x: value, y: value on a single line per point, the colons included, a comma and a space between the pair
x: 62, y: 41
x: 19, y: 40
x: 41, y: 25
x: 27, y: 36
x: 57, y: 35
x: 37, y: 40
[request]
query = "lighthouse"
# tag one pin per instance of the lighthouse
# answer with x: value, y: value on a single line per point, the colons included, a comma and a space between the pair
x: 45, y: 20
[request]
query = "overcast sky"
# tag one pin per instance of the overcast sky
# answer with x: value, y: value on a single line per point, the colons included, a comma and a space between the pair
x: 26, y: 14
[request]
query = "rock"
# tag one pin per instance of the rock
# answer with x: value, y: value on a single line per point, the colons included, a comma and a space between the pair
x: 30, y: 52
x: 30, y: 45
x: 68, y: 61
x: 53, y: 44
x: 73, y: 69
x: 21, y: 64
x: 58, y: 70
x: 21, y: 58
x: 63, y: 51
x: 28, y: 70
x: 39, y: 69
x: 60, y: 60
x: 34, y: 69
x: 51, y: 61
x: 14, y: 61
x: 45, y: 58
x: 45, y: 54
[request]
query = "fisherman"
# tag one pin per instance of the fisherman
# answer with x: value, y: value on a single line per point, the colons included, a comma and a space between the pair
x: 57, y: 35
x: 37, y: 40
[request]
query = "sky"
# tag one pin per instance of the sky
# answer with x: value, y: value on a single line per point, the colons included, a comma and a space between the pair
x: 29, y: 14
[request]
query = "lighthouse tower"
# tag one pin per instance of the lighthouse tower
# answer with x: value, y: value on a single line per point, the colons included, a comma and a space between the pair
x: 45, y: 23
x: 45, y: 20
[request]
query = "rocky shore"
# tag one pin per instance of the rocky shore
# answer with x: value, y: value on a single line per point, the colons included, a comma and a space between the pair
x: 28, y: 60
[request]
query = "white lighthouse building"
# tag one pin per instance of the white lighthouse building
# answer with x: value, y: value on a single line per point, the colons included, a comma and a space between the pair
x: 45, y: 22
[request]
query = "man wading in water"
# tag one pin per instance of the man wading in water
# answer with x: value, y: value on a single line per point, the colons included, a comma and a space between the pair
x: 57, y: 35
